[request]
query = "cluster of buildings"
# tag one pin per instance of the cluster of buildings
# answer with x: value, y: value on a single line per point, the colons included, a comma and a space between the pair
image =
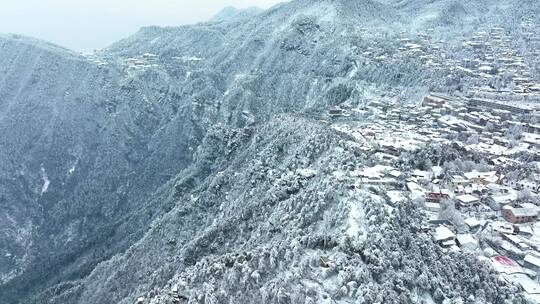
x: 499, y: 205
x: 143, y: 62
x: 485, y: 200
x: 491, y: 61
x: 493, y: 55
x: 488, y: 207
x: 95, y: 59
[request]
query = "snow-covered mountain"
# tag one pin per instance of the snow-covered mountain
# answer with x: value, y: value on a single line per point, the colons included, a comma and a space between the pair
x: 194, y: 159
x: 231, y: 13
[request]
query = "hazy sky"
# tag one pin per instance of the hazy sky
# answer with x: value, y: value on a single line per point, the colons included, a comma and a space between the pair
x: 84, y: 25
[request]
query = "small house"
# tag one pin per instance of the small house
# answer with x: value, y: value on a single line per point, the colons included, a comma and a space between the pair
x: 433, y: 102
x: 433, y: 207
x: 467, y: 241
x: 472, y: 223
x: 483, y: 177
x: 502, y: 199
x: 337, y: 112
x: 421, y: 175
x: 519, y: 215
x: 467, y: 200
x: 516, y: 241
x: 436, y: 197
x: 503, y: 228
x: 460, y: 181
x: 444, y: 236
x: 531, y: 262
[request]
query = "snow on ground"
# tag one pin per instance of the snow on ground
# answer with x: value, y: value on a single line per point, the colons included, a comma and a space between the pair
x: 355, y: 133
x: 353, y: 71
x: 46, y: 181
x: 356, y: 221
x: 378, y: 171
x: 72, y: 169
x: 189, y: 59
x: 427, y: 298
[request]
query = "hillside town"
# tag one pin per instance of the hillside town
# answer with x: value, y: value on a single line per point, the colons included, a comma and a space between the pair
x: 305, y: 152
x: 471, y: 161
x: 473, y: 165
x: 469, y: 155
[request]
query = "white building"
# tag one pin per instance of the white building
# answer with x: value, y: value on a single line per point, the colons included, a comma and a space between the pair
x: 531, y: 262
x: 433, y: 207
x: 444, y: 236
x: 467, y: 241
x: 472, y: 223
x: 466, y: 200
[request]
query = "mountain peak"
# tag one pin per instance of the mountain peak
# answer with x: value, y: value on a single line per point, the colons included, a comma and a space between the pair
x: 231, y: 13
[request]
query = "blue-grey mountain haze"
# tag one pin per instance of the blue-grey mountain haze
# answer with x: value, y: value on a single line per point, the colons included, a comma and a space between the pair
x: 85, y: 25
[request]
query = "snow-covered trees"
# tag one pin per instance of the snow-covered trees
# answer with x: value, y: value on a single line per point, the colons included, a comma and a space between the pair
x: 396, y: 263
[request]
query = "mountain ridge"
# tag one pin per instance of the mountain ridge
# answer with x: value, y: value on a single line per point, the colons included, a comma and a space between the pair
x: 231, y: 13
x: 121, y: 157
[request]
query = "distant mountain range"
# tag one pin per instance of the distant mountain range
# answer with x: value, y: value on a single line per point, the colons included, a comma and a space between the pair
x: 171, y: 158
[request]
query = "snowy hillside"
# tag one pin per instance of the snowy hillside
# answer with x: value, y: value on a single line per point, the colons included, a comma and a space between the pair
x: 199, y: 164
